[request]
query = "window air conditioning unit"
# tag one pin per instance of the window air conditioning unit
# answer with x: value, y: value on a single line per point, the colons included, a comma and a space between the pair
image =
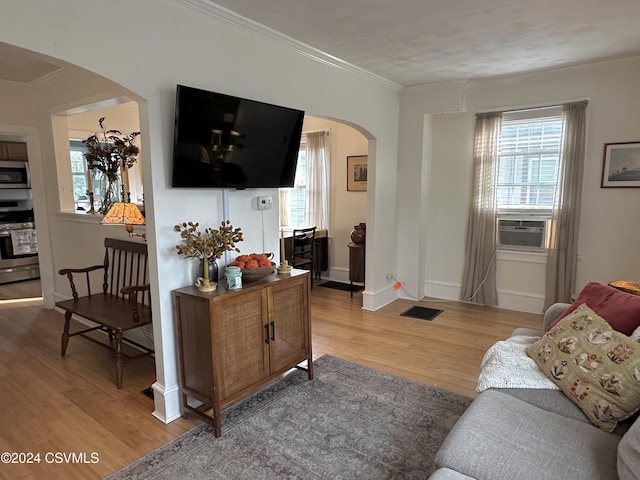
x: 522, y: 234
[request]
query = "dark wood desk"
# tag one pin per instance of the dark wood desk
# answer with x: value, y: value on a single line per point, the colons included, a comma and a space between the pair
x: 356, y: 263
x: 321, y: 253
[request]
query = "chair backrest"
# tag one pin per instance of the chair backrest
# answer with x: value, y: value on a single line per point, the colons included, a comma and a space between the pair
x: 303, y: 241
x: 125, y: 264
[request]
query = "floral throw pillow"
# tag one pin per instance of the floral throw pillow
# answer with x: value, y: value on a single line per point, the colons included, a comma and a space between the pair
x: 595, y: 366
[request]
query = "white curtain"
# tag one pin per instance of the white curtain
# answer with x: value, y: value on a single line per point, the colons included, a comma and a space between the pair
x: 285, y: 206
x: 562, y: 256
x: 318, y: 168
x: 479, y: 276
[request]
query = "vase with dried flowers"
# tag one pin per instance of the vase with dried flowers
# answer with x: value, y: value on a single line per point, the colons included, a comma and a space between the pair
x: 207, y: 246
x: 110, y: 152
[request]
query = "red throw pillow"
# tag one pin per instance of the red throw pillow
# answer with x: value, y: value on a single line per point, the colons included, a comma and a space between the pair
x: 621, y: 310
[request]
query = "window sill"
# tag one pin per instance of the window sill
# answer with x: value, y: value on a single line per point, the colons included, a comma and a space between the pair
x: 79, y: 217
x: 93, y: 219
x: 524, y: 256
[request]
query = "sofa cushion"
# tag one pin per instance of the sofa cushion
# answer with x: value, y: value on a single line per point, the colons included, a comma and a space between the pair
x: 526, y: 332
x: 502, y: 438
x: 557, y: 402
x: 552, y: 313
x: 595, y: 366
x: 447, y: 474
x: 629, y: 454
x: 620, y: 309
x: 550, y: 400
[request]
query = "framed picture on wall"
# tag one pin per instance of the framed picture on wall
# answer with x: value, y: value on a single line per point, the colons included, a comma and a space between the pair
x: 621, y: 165
x: 357, y: 173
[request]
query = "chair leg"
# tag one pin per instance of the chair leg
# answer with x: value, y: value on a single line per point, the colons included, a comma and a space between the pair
x: 119, y: 362
x: 65, y: 333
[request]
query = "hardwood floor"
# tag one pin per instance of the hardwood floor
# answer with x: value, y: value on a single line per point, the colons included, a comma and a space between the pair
x: 71, y: 405
x: 445, y: 352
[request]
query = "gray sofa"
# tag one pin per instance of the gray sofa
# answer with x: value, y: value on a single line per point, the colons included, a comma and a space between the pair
x: 510, y: 434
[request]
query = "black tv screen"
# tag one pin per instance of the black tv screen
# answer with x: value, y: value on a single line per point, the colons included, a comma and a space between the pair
x: 226, y: 141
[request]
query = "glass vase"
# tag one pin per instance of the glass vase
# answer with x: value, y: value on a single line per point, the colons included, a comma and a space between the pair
x: 213, y: 269
x: 109, y: 192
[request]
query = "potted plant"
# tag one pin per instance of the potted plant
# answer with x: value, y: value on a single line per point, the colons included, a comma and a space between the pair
x: 107, y: 152
x: 207, y: 246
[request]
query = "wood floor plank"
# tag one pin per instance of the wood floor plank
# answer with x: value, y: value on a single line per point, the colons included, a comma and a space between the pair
x: 71, y: 404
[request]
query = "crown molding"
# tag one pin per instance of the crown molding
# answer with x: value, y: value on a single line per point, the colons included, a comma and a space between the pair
x: 435, y: 86
x: 502, y: 80
x: 231, y: 18
x: 580, y: 68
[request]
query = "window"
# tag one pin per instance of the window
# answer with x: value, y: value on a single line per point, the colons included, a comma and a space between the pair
x: 307, y: 203
x: 296, y: 197
x: 528, y: 160
x: 80, y: 178
x: 79, y: 172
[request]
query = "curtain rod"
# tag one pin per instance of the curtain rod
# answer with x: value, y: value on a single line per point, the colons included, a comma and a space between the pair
x: 534, y: 106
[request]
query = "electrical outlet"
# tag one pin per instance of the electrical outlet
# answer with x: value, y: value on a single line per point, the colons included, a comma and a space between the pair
x: 389, y: 276
x: 265, y: 203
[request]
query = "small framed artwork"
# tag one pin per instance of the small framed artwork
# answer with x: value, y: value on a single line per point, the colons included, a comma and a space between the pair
x: 357, y: 173
x: 621, y: 165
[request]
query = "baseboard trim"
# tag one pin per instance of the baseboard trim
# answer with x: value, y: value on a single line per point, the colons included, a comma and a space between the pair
x: 507, y: 299
x: 444, y: 290
x: 167, y: 402
x: 339, y: 274
x: 520, y: 301
x: 376, y: 300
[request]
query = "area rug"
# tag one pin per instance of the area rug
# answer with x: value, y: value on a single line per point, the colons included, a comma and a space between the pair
x: 350, y: 422
x: 347, y: 287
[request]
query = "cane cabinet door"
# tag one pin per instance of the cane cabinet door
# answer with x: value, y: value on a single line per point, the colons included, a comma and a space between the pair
x: 288, y: 322
x: 239, y: 337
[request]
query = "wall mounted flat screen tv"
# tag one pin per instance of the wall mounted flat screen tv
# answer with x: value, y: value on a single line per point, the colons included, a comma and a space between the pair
x: 226, y: 141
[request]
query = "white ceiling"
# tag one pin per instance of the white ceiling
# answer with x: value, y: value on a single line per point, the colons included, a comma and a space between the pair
x: 23, y: 66
x: 417, y: 42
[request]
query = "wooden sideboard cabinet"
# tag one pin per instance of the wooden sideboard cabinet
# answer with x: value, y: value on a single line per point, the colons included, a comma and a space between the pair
x: 232, y: 342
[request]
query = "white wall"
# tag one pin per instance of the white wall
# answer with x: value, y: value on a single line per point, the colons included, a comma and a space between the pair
x: 609, y: 230
x: 148, y: 49
x: 416, y: 230
x: 347, y: 208
x: 446, y: 212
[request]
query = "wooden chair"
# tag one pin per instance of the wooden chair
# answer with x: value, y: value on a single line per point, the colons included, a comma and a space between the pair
x: 303, y: 249
x: 122, y: 305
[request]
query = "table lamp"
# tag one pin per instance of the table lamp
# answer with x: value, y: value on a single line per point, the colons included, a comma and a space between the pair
x: 127, y: 214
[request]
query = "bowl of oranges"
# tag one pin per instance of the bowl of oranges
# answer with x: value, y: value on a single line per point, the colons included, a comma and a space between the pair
x: 254, y: 266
